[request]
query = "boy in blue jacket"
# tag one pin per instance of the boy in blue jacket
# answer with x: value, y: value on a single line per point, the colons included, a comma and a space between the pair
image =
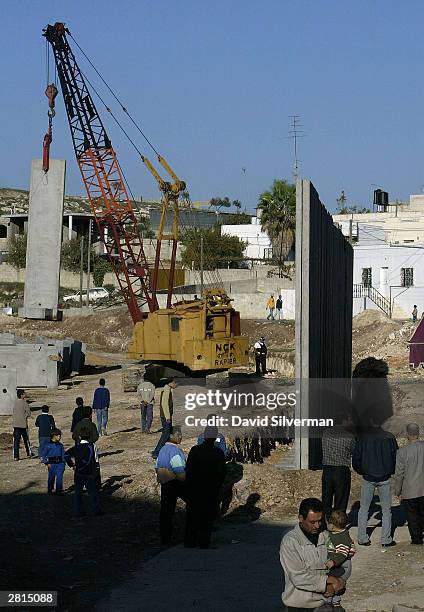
x: 54, y: 458
x: 101, y: 403
x: 45, y: 423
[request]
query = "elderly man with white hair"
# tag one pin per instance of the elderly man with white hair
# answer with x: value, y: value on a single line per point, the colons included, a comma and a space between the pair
x: 409, y: 481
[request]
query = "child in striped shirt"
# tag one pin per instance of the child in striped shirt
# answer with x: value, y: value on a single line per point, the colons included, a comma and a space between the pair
x: 340, y: 549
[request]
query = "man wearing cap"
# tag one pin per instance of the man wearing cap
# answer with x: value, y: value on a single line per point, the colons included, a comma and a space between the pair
x: 409, y: 481
x: 261, y: 351
x: 205, y: 473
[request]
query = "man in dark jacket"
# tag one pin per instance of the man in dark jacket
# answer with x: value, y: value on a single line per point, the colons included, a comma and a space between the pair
x: 87, y: 424
x: 374, y: 458
x: 101, y: 404
x: 45, y: 423
x: 81, y: 458
x: 205, y: 473
x: 77, y: 415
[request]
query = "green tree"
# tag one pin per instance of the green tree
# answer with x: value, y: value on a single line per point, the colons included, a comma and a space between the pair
x: 71, y: 260
x: 145, y: 227
x: 100, y: 268
x: 278, y: 218
x: 343, y: 208
x: 342, y: 203
x: 218, y: 249
x: 219, y: 203
x: 16, y: 255
x: 71, y: 255
x: 239, y: 218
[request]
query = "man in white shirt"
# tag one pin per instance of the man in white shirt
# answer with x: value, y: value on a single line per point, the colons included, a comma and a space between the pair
x: 146, y: 392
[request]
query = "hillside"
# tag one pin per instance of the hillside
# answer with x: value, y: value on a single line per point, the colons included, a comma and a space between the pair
x: 16, y: 201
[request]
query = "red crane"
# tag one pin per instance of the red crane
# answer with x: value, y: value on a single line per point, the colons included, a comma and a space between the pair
x: 103, y: 180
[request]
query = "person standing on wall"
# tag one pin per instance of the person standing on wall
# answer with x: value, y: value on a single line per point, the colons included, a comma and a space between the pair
x: 101, y: 403
x: 270, y: 305
x: 261, y: 351
x: 166, y: 411
x: 21, y: 414
x: 146, y: 393
x: 409, y: 482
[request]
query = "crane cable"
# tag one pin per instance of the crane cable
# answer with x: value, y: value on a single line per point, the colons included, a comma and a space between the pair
x: 213, y: 275
x: 124, y: 109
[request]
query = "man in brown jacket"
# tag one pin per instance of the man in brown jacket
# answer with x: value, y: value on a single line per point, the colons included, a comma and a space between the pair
x: 21, y: 414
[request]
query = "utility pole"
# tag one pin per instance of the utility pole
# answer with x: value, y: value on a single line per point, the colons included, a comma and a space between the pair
x: 81, y: 268
x: 294, y: 134
x: 350, y: 230
x: 88, y: 263
x: 201, y: 266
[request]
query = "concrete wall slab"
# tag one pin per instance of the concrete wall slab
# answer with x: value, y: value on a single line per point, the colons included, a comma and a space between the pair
x: 8, y: 384
x: 44, y: 237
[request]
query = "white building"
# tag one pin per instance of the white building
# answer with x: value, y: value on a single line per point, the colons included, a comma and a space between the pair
x: 258, y: 244
x: 401, y: 223
x: 387, y: 276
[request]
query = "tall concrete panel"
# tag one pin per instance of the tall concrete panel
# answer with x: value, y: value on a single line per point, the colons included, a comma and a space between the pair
x: 324, y: 286
x: 8, y: 383
x: 42, y: 275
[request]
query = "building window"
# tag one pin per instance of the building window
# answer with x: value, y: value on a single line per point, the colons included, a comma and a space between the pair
x: 268, y: 253
x: 3, y: 231
x: 407, y: 277
x: 367, y: 277
x: 175, y: 324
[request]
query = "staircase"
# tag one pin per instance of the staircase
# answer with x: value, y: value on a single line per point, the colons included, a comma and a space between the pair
x: 360, y: 290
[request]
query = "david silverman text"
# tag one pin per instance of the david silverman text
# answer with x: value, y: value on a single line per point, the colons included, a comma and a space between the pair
x: 259, y: 421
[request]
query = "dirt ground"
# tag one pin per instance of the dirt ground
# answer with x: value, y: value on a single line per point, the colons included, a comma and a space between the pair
x: 86, y: 559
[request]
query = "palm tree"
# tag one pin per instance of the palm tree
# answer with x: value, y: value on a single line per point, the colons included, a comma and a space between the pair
x: 278, y: 218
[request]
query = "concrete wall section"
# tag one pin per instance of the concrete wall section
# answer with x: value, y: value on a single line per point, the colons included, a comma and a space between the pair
x: 44, y: 236
x: 8, y: 383
x: 35, y: 365
x: 324, y: 275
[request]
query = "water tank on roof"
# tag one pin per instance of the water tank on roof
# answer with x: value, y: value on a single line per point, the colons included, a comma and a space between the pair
x: 381, y: 200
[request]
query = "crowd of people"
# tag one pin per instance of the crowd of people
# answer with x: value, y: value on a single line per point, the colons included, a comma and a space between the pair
x: 196, y: 479
x: 316, y: 555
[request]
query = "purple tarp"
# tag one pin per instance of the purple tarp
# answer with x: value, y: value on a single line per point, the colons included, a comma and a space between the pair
x: 416, y: 346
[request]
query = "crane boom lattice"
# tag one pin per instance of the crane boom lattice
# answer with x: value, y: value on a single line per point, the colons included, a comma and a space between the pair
x: 103, y: 180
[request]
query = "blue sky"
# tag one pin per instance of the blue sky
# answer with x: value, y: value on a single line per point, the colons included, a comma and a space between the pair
x: 214, y: 84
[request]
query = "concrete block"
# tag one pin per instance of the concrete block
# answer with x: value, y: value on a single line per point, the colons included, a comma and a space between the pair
x: 47, y: 314
x: 8, y: 383
x: 9, y: 339
x: 36, y: 365
x: 44, y: 240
